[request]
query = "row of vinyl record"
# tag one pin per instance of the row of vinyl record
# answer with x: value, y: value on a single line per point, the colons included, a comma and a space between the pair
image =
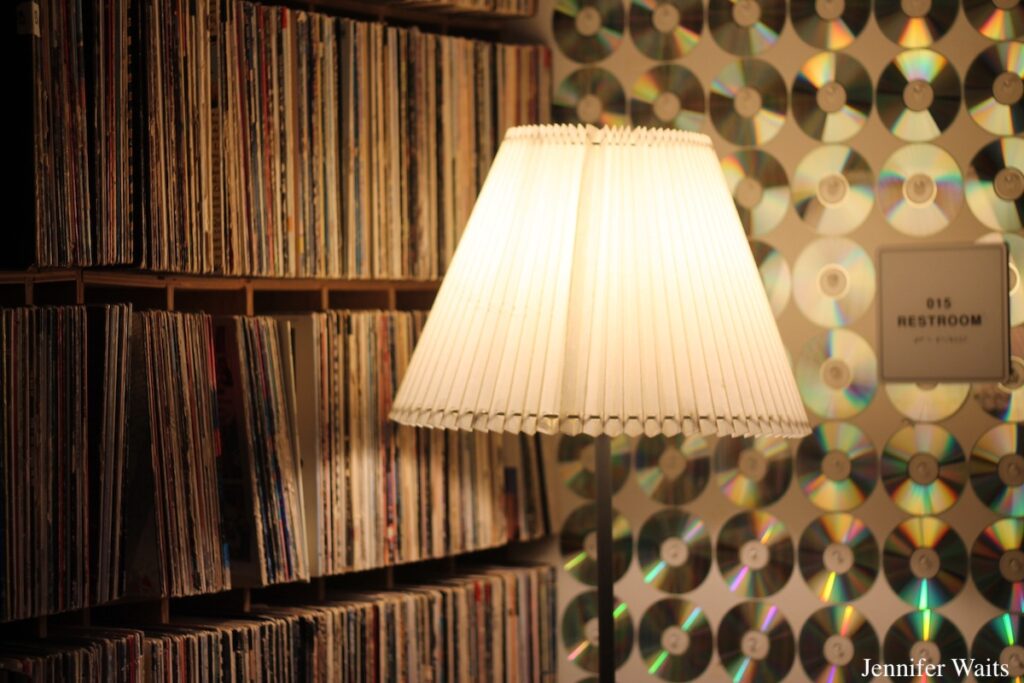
x: 494, y: 624
x: 160, y: 453
x: 276, y: 142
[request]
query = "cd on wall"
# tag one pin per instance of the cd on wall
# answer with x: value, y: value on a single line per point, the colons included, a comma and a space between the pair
x: 834, y: 644
x: 918, y: 95
x: 997, y: 469
x: 832, y: 97
x: 578, y: 544
x: 753, y: 472
x: 588, y: 30
x: 829, y: 24
x: 926, y: 639
x: 590, y: 95
x: 838, y: 557
x: 755, y: 554
x: 915, y: 23
x: 920, y: 189
x: 673, y: 470
x: 833, y: 189
x: 997, y: 564
x: 748, y: 102
x: 580, y: 632
x: 674, y: 551
x: 1001, y: 640
x: 994, y: 88
x: 755, y: 643
x: 1005, y: 400
x: 837, y: 374
x: 836, y: 466
x: 668, y: 96
x: 775, y: 275
x: 666, y: 29
x: 923, y: 469
x: 675, y: 640
x: 927, y: 402
x: 996, y: 19
x: 1015, y: 251
x: 746, y: 27
x: 925, y: 561
x: 759, y: 187
x: 576, y: 460
x: 995, y: 185
x: 834, y: 281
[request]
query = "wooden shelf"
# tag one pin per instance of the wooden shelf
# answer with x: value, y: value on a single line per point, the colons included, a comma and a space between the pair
x: 442, y: 19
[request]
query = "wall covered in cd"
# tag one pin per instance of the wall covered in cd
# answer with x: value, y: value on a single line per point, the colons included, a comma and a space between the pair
x: 893, y: 530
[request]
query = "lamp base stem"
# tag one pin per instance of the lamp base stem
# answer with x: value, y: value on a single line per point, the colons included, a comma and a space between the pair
x: 605, y: 575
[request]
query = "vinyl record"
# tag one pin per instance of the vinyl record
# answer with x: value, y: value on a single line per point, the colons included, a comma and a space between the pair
x: 918, y: 95
x: 590, y: 95
x: 994, y: 88
x: 755, y: 554
x: 1001, y: 640
x: 1005, y: 400
x: 925, y: 562
x: 673, y: 470
x: 748, y: 102
x: 996, y: 19
x: 834, y: 644
x: 997, y: 564
x: 666, y: 29
x: 833, y: 189
x: 838, y: 557
x: 836, y: 466
x: 759, y: 187
x: 588, y: 30
x: 927, y: 402
x: 926, y: 639
x: 746, y: 27
x: 920, y: 189
x: 834, y: 281
x: 923, y: 469
x: 829, y: 24
x: 915, y: 23
x: 674, y: 551
x: 775, y: 275
x: 837, y: 374
x: 995, y: 184
x: 832, y: 97
x: 997, y: 469
x: 1015, y: 250
x: 576, y: 456
x: 668, y: 96
x: 580, y: 632
x: 676, y: 643
x: 753, y: 472
x: 578, y: 544
x: 755, y: 643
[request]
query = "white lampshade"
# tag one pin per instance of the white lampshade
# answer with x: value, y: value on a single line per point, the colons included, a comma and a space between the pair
x: 603, y: 285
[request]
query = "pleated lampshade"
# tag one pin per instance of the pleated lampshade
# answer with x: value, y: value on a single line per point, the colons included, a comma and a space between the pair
x: 603, y: 285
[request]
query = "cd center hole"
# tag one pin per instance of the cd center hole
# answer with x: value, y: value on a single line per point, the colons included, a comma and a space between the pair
x: 836, y: 466
x: 829, y: 10
x: 1008, y: 88
x: 754, y: 554
x: 675, y: 552
x: 919, y: 189
x: 672, y: 463
x: 838, y: 558
x: 667, y: 106
x: 1009, y: 184
x: 675, y: 641
x: 831, y: 97
x: 923, y: 468
x: 918, y: 95
x: 1011, y: 469
x: 924, y: 563
x: 836, y: 374
x: 833, y: 281
x: 916, y: 8
x: 838, y: 650
x: 665, y: 18
x: 755, y: 645
x: 832, y: 189
x: 746, y: 13
x: 752, y: 464
x: 748, y: 102
x: 589, y: 108
x: 1011, y: 565
x: 588, y: 22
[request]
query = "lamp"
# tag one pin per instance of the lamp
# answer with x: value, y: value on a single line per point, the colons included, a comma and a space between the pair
x: 603, y: 286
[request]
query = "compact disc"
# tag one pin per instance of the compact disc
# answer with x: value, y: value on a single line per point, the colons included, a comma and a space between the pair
x: 836, y: 466
x: 746, y: 27
x: 674, y: 551
x: 578, y: 544
x: 995, y: 184
x: 996, y: 19
x: 829, y: 24
x: 666, y: 29
x: 1001, y: 640
x: 748, y: 102
x: 675, y: 640
x: 576, y: 457
x: 925, y: 562
x: 832, y: 97
x: 923, y: 469
x: 590, y: 95
x: 838, y: 557
x: 918, y: 95
x: 759, y: 187
x: 753, y: 472
x: 668, y: 96
x: 997, y: 564
x: 1005, y: 400
x: 915, y: 23
x: 927, y: 402
x: 755, y: 554
x: 774, y: 275
x: 997, y: 469
x: 833, y: 189
x: 588, y: 30
x: 834, y: 281
x: 834, y: 644
x: 920, y: 189
x: 924, y: 639
x: 755, y: 643
x: 1015, y: 250
x: 673, y: 470
x: 837, y: 374
x: 994, y: 88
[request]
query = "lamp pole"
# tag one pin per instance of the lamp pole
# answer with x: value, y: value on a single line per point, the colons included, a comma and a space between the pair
x: 605, y: 569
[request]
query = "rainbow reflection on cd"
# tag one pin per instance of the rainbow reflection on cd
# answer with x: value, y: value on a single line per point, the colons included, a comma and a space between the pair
x: 844, y: 22
x: 675, y: 640
x: 997, y: 469
x: 837, y: 374
x: 834, y: 644
x: 995, y: 20
x: 588, y: 30
x: 997, y: 564
x: 925, y: 561
x: 753, y: 471
x: 834, y: 281
x: 920, y: 189
x: 673, y: 470
x: 755, y: 643
x: 994, y: 183
x: 748, y: 102
x: 928, y: 22
x: 918, y: 95
x: 578, y: 548
x: 833, y: 189
x: 668, y: 96
x: 674, y: 551
x: 925, y: 636
x: 832, y: 97
x: 775, y: 275
x: 576, y: 456
x: 992, y: 88
x: 580, y: 636
x: 759, y: 187
x: 755, y: 554
x: 836, y: 466
x: 746, y: 27
x: 838, y: 557
x: 665, y: 29
x: 1002, y: 640
x: 590, y: 95
x: 923, y: 469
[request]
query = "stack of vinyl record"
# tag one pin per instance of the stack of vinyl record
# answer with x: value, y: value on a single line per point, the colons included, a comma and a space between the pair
x: 77, y: 654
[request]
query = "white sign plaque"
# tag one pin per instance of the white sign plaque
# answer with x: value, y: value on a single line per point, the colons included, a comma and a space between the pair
x: 944, y: 313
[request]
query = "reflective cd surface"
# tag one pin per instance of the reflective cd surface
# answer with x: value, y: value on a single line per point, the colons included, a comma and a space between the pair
x: 923, y: 469
x: 590, y: 95
x: 674, y: 551
x: 578, y: 544
x: 834, y: 644
x: 746, y: 27
x: 755, y: 554
x: 668, y: 96
x: 829, y: 24
x: 927, y: 402
x: 775, y: 275
x: 915, y: 23
x: 834, y: 281
x: 918, y: 95
x: 666, y: 29
x: 1005, y: 400
x: 997, y: 469
x: 838, y: 557
x: 920, y: 189
x: 576, y: 457
x: 997, y: 564
x: 928, y: 638
x: 676, y: 643
x: 753, y: 472
x: 1002, y: 640
x: 759, y: 187
x: 832, y: 97
x: 748, y: 102
x: 580, y: 632
x: 837, y: 374
x: 996, y: 19
x: 836, y: 466
x: 588, y: 30
x: 994, y: 183
x: 833, y: 189
x: 673, y: 470
x: 994, y: 89
x: 925, y: 562
x: 755, y: 643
